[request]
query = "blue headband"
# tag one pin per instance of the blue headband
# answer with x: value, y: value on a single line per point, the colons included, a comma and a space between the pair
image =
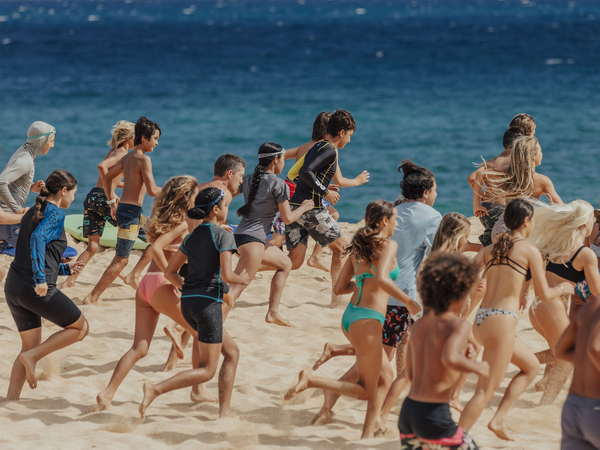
x: 41, y: 135
x: 214, y: 202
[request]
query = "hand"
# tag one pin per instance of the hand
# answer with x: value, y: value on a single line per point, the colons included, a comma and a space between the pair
x: 362, y: 178
x: 22, y: 211
x: 334, y: 187
x: 413, y: 308
x: 332, y: 197
x: 113, y: 210
x: 480, y: 211
x: 41, y: 289
x: 523, y: 303
x: 38, y: 186
x: 567, y: 288
x: 472, y: 350
x: 76, y: 267
x: 227, y: 228
x: 307, y: 205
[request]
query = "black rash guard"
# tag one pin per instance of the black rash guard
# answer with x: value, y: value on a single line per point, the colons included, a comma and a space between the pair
x: 320, y: 164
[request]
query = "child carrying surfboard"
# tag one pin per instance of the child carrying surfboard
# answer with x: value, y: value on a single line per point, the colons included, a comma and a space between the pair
x: 138, y: 179
x: 96, y: 210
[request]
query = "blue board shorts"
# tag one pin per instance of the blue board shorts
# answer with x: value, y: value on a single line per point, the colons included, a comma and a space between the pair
x: 128, y: 223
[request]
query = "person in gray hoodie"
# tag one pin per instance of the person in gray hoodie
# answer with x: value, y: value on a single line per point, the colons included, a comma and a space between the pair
x: 16, y: 180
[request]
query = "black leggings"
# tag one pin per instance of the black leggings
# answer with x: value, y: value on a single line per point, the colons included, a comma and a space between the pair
x: 205, y: 316
x: 27, y: 308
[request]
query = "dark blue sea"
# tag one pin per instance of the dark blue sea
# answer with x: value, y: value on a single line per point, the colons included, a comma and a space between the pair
x: 435, y: 81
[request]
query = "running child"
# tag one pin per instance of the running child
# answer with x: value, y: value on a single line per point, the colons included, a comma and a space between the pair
x: 96, y: 212
x: 136, y: 168
x: 320, y: 165
x: 580, y: 345
x: 266, y: 194
x: 208, y: 251
x: 30, y: 288
x: 438, y: 354
x: 166, y: 228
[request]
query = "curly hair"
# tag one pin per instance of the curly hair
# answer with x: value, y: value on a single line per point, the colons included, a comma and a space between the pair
x: 170, y: 207
x: 525, y: 122
x: 444, y: 279
x: 366, y: 244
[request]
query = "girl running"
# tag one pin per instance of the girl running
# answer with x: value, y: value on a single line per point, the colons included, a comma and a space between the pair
x: 560, y: 234
x: 508, y: 264
x: 166, y: 229
x: 371, y: 263
x: 265, y: 194
x: 30, y: 288
x: 207, y: 250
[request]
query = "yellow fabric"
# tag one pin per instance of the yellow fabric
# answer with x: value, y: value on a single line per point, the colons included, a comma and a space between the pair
x: 295, y: 170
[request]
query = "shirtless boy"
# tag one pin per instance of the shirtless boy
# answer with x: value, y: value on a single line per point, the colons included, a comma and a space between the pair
x: 439, y: 351
x: 580, y: 344
x: 136, y: 168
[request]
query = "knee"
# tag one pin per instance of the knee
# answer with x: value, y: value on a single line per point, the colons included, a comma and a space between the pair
x: 532, y: 369
x: 231, y: 354
x: 84, y: 330
x: 140, y: 349
x: 93, y: 247
x: 296, y: 263
x: 287, y: 266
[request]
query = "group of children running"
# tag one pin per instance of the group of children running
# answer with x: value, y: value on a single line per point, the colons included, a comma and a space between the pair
x: 414, y: 289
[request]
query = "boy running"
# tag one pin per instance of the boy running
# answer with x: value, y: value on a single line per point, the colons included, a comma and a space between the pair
x: 319, y: 168
x: 136, y: 168
x: 580, y: 344
x: 439, y: 351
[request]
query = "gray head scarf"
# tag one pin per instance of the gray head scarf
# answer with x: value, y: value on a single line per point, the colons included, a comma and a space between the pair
x: 38, y: 135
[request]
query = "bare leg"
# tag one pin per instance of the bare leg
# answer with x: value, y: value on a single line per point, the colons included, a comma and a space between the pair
x: 337, y: 252
x: 330, y: 398
x: 231, y: 357
x: 331, y: 351
x: 526, y: 361
x: 496, y: 333
x: 171, y: 362
x: 29, y: 339
x: 198, y: 394
x: 92, y: 248
x: 400, y: 382
x: 109, y: 275
x: 274, y: 257
x: 251, y: 255
x: 61, y: 339
x: 145, y: 324
x: 207, y: 369
x: 133, y: 278
x: 314, y: 259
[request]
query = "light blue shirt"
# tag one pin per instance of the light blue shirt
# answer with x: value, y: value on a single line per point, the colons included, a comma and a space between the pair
x: 415, y: 230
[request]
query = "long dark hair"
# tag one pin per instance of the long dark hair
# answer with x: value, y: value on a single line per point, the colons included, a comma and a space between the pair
x: 205, y: 201
x: 515, y: 214
x: 365, y: 243
x: 55, y: 182
x: 267, y: 152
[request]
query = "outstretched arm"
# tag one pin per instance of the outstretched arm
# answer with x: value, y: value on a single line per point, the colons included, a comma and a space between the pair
x: 342, y: 181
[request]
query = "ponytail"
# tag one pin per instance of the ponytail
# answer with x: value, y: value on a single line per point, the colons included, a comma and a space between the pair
x: 54, y: 183
x: 365, y: 243
x: 267, y: 153
x: 515, y: 214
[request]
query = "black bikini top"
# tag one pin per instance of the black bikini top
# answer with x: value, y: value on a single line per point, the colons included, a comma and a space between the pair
x: 508, y: 261
x: 566, y: 270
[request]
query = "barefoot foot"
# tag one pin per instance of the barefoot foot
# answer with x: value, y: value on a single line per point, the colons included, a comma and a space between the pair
x: 130, y: 279
x: 149, y: 395
x: 498, y: 428
x: 323, y: 417
x: 175, y: 338
x: 29, y: 366
x: 303, y: 379
x: 276, y: 319
x: 103, y: 401
x: 68, y: 283
x: 325, y: 356
x: 90, y: 300
x: 201, y: 397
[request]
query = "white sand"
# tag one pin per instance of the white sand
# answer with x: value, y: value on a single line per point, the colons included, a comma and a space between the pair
x: 58, y: 414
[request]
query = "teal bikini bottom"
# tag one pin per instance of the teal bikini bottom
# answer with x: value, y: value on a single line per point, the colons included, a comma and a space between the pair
x: 354, y: 313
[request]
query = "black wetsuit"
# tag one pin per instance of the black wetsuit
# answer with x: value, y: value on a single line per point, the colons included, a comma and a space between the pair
x: 38, y: 260
x: 320, y: 164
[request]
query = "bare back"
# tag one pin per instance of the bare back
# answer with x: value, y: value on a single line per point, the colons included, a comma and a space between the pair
x: 370, y: 294
x: 134, y: 165
x: 586, y: 377
x: 428, y: 337
x: 505, y: 279
x: 116, y: 154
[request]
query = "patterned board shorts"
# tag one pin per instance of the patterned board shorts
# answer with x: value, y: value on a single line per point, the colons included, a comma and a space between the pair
x: 397, y: 323
x: 316, y: 223
x: 488, y: 221
x: 96, y: 212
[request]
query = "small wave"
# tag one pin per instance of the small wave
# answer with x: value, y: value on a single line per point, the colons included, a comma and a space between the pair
x: 93, y: 18
x: 360, y: 11
x: 553, y: 61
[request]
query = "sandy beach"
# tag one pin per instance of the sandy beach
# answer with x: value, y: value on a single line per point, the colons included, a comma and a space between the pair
x: 60, y: 412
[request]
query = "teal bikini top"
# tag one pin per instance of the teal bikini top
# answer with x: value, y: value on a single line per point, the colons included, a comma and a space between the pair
x: 361, y: 277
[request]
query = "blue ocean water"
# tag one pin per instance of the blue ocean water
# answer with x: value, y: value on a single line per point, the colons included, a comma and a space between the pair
x: 435, y: 81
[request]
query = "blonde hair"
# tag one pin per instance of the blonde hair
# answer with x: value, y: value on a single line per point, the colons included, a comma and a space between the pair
x: 170, y: 207
x: 122, y: 131
x: 558, y: 229
x: 518, y: 181
x: 453, y: 227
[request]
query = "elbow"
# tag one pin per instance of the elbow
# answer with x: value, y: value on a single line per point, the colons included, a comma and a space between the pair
x: 593, y: 351
x: 449, y: 360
